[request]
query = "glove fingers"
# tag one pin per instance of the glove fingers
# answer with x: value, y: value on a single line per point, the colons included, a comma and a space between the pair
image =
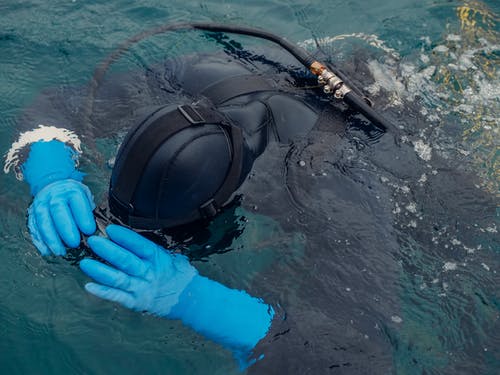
x: 89, y: 197
x: 64, y: 222
x: 35, y: 234
x: 132, y: 241
x: 48, y: 231
x: 82, y: 212
x: 106, y: 275
x: 111, y: 294
x: 119, y: 257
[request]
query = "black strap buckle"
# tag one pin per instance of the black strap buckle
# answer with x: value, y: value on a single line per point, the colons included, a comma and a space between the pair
x: 191, y: 114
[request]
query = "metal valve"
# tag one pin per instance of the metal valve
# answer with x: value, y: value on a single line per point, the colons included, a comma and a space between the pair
x: 333, y: 84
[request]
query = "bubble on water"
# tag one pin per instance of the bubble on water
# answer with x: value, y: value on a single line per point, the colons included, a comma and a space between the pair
x: 453, y: 38
x: 469, y: 250
x: 405, y: 189
x: 492, y: 229
x: 465, y: 108
x: 465, y: 61
x: 396, y: 319
x: 423, y: 150
x: 412, y: 207
x: 426, y: 40
x: 111, y: 162
x: 449, y: 266
x: 441, y: 49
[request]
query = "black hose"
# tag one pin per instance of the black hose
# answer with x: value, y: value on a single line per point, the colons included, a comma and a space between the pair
x: 298, y: 52
x: 352, y: 99
x: 359, y: 104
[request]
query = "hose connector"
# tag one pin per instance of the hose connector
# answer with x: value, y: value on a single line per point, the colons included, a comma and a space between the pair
x: 333, y: 84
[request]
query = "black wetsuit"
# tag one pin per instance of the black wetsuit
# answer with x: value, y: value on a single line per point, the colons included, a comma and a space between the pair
x: 275, y: 108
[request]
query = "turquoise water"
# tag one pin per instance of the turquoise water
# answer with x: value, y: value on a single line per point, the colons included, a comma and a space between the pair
x: 369, y: 239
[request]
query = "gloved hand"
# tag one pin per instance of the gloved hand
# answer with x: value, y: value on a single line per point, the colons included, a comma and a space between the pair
x: 142, y: 275
x: 145, y: 277
x: 62, y: 205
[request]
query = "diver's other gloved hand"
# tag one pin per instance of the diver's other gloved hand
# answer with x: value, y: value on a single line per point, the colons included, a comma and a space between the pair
x: 145, y: 277
x: 62, y: 205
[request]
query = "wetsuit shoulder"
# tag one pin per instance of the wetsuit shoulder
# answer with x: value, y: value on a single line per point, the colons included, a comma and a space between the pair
x: 258, y: 94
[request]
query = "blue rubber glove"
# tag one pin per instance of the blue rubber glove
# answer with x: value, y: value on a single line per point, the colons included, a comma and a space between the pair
x: 62, y: 205
x: 145, y: 277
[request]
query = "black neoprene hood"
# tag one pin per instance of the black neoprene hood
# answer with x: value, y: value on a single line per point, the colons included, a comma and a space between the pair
x: 178, y: 165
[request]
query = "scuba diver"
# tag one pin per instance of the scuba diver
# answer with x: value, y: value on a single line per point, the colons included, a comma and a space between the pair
x: 181, y: 161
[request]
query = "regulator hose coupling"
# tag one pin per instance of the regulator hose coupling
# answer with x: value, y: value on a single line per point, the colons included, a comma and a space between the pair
x: 332, y: 83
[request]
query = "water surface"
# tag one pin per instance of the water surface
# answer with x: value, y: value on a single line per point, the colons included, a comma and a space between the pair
x: 384, y: 255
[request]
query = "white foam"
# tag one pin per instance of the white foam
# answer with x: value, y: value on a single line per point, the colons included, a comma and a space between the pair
x: 453, y: 38
x: 441, y: 49
x: 492, y: 229
x: 426, y: 40
x: 469, y: 250
x: 42, y: 133
x: 423, y: 150
x: 412, y: 207
x: 449, y: 266
x: 396, y: 319
x: 385, y: 77
x: 371, y: 39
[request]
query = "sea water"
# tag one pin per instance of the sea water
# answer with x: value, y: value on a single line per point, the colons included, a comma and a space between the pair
x: 365, y: 243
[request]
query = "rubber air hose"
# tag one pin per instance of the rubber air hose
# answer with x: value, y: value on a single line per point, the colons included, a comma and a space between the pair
x: 360, y: 105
